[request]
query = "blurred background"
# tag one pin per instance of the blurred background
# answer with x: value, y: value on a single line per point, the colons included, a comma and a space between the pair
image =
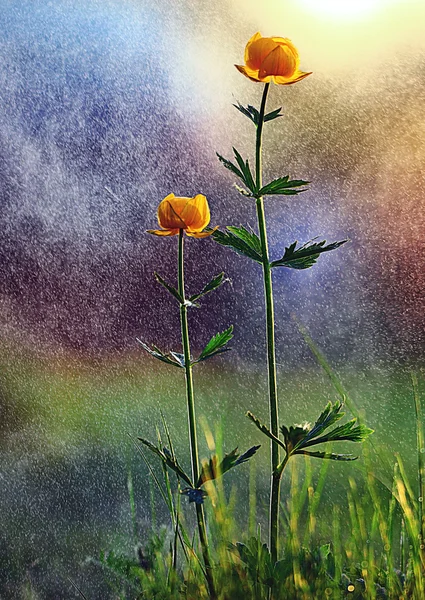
x: 107, y: 107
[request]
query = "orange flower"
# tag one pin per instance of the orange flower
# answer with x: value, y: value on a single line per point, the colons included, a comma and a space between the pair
x: 190, y: 214
x: 271, y: 59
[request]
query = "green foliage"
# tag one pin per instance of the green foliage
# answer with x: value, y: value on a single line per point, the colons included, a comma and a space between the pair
x: 168, y: 459
x: 306, y: 255
x: 171, y: 358
x: 253, y: 115
x: 215, y: 468
x: 283, y: 186
x: 169, y: 288
x: 243, y: 170
x: 216, y: 345
x: 241, y: 240
x: 212, y: 285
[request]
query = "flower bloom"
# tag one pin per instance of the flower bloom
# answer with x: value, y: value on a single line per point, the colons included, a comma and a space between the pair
x: 271, y: 59
x: 190, y: 214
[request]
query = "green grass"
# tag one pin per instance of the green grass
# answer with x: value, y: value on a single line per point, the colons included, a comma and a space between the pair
x: 69, y: 421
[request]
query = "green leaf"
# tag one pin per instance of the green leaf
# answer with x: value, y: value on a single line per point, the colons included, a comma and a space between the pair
x: 347, y: 432
x: 256, y: 556
x: 264, y: 429
x: 229, y: 165
x: 168, y: 459
x: 168, y: 287
x: 234, y: 238
x: 247, y: 236
x: 283, y: 186
x: 216, y: 345
x: 212, y: 285
x: 245, y: 168
x: 328, y: 455
x: 305, y: 256
x: 249, y: 111
x: 274, y: 114
x: 171, y: 358
x: 330, y: 415
x: 213, y: 469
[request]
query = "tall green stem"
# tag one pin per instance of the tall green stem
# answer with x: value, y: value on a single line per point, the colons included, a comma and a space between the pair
x: 191, y: 416
x: 271, y: 353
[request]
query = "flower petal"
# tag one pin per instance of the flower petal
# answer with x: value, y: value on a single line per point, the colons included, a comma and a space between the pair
x: 163, y: 232
x: 250, y: 73
x: 255, y: 37
x: 258, y: 51
x: 280, y: 62
x: 295, y: 77
x: 201, y: 234
x: 168, y: 218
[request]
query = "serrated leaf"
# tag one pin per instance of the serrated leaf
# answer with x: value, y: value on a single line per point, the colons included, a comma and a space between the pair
x: 283, y: 186
x: 274, y: 114
x: 249, y: 111
x: 216, y: 345
x: 240, y: 246
x: 347, y: 432
x: 212, y: 285
x: 264, y: 429
x: 229, y: 165
x: 245, y: 168
x: 159, y: 355
x: 168, y: 459
x: 328, y: 455
x: 213, y: 469
x: 330, y: 415
x: 169, y: 287
x: 305, y: 256
x: 247, y: 236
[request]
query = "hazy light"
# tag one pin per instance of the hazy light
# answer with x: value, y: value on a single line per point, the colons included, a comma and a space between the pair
x: 342, y: 8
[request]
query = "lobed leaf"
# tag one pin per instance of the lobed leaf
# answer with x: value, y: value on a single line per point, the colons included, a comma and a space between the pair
x: 264, y: 429
x: 330, y: 415
x: 274, y: 114
x: 169, y: 287
x: 249, y: 111
x: 305, y: 256
x: 212, y: 285
x: 216, y: 345
x: 168, y: 459
x: 283, y: 186
x: 328, y: 455
x: 171, y: 358
x: 213, y: 469
x: 245, y: 168
x: 240, y: 244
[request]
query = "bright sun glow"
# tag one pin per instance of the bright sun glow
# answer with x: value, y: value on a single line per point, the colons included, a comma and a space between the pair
x: 342, y: 8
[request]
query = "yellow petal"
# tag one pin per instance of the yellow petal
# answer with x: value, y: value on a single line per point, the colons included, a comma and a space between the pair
x: 255, y: 37
x: 163, y: 232
x: 201, y: 234
x: 258, y: 52
x: 168, y: 217
x: 250, y: 73
x: 280, y: 62
x: 295, y: 77
x: 200, y: 213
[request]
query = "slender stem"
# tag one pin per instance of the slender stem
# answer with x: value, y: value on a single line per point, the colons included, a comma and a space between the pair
x: 271, y: 352
x: 191, y: 416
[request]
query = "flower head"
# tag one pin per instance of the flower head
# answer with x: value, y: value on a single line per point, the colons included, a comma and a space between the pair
x: 190, y: 214
x: 271, y: 59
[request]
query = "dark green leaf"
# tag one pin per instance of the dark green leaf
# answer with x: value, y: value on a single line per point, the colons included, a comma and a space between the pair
x: 328, y: 455
x: 217, y: 344
x: 229, y: 165
x: 212, y: 285
x: 347, y: 432
x: 256, y: 557
x: 247, y: 236
x: 305, y: 256
x: 330, y: 415
x: 264, y: 429
x: 168, y: 459
x: 169, y: 358
x: 249, y: 111
x: 239, y: 245
x: 274, y: 114
x: 213, y: 469
x: 168, y: 287
x: 244, y: 167
x: 283, y: 186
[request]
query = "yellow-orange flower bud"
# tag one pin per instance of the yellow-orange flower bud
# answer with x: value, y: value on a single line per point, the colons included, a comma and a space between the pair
x: 271, y: 59
x: 190, y: 214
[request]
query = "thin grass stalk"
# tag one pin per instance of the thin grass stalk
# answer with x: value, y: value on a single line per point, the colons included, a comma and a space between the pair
x: 270, y: 327
x: 132, y: 503
x: 421, y: 458
x: 191, y: 415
